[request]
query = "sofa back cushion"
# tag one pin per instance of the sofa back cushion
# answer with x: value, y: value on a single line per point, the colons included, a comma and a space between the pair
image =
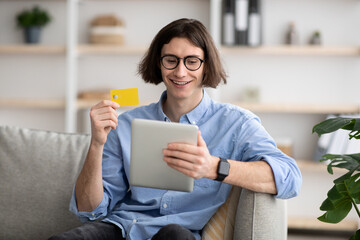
x: 38, y: 170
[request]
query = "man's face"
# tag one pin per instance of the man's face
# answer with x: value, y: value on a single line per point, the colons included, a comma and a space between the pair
x: 180, y: 82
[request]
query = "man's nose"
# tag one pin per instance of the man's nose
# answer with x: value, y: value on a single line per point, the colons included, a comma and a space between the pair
x: 181, y: 70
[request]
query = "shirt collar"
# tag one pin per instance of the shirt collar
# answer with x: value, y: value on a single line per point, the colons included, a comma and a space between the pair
x: 161, y: 114
x: 192, y: 117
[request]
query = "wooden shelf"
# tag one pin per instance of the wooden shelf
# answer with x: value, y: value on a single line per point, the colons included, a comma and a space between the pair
x: 294, y: 50
x: 300, y: 108
x: 32, y: 49
x: 33, y: 103
x: 98, y: 49
x: 298, y: 223
x: 139, y: 50
x: 263, y: 50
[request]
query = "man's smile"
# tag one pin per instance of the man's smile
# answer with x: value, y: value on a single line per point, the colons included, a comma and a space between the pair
x: 180, y: 83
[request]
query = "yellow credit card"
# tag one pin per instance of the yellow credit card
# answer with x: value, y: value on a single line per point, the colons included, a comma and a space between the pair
x: 125, y: 97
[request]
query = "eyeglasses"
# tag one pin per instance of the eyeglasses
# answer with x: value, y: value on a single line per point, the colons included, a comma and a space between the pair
x: 170, y: 62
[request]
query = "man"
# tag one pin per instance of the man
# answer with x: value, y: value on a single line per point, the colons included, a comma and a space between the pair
x: 184, y: 58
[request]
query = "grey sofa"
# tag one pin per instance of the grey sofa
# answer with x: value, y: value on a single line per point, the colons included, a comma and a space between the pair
x: 37, y: 173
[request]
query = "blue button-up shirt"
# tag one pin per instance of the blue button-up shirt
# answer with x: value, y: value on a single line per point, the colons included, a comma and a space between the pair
x: 229, y: 131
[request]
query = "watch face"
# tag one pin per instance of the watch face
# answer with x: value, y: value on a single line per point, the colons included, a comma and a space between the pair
x: 224, y: 168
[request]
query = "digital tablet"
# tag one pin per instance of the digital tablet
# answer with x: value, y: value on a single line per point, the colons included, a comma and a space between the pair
x: 147, y: 167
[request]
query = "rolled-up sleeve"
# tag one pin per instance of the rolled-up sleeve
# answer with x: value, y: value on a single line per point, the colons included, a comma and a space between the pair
x: 256, y: 144
x: 115, y: 183
x: 287, y: 176
x: 99, y: 212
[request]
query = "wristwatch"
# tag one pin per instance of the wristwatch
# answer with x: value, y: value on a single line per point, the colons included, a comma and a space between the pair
x: 223, y: 169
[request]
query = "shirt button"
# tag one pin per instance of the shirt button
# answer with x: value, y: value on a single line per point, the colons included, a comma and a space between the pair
x: 93, y: 214
x: 193, y: 122
x: 134, y: 220
x: 165, y: 205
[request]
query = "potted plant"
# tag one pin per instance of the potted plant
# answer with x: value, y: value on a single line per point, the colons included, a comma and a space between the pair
x: 345, y: 193
x: 32, y: 21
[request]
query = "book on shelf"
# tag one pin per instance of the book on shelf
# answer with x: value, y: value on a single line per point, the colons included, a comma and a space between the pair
x: 228, y: 33
x: 254, y: 31
x: 337, y: 142
x: 241, y: 23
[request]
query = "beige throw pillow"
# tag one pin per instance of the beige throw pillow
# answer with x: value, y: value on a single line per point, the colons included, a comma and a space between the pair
x: 221, y: 224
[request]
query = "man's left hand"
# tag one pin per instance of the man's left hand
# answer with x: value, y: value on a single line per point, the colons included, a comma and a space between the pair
x: 193, y: 161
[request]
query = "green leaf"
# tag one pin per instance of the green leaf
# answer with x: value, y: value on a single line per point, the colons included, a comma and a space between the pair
x: 354, y: 127
x: 346, y: 190
x: 343, y: 177
x: 33, y: 17
x: 356, y: 235
x: 338, y: 214
x: 350, y: 162
x: 353, y: 185
x: 340, y: 199
x: 333, y: 124
x: 327, y: 205
x: 334, y: 193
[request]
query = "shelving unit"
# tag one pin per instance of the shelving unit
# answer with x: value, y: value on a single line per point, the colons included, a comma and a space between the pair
x: 84, y: 49
x: 301, y: 108
x: 310, y: 224
x: 72, y: 8
x: 32, y: 49
x: 340, y: 51
x: 32, y: 103
x: 90, y: 49
x: 263, y: 50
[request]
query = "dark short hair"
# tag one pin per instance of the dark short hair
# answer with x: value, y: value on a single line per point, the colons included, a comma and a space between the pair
x: 197, y: 34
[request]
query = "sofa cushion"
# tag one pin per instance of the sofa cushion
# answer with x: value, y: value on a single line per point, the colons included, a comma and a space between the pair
x: 221, y: 224
x: 37, y: 172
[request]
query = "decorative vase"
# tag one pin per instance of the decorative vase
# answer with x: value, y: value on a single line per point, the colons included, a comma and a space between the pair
x: 32, y: 35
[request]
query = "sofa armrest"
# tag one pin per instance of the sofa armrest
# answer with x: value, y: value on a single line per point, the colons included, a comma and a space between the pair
x: 260, y: 216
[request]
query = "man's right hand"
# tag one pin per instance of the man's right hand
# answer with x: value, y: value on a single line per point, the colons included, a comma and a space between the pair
x: 103, y: 118
x: 89, y: 187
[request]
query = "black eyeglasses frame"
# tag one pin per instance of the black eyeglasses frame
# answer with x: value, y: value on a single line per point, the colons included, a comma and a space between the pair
x: 184, y: 61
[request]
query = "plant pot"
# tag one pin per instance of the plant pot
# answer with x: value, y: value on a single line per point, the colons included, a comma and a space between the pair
x: 32, y: 35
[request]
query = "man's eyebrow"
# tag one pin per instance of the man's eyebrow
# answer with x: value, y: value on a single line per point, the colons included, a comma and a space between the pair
x: 191, y: 55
